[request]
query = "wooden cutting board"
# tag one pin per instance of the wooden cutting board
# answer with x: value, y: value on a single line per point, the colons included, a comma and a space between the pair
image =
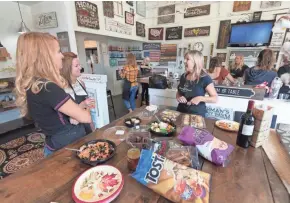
x: 279, y: 158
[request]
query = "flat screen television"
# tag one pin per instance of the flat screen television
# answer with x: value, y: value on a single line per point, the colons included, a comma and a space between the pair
x: 251, y: 34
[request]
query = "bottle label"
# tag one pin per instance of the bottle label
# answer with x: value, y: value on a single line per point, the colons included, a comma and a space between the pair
x: 248, y: 130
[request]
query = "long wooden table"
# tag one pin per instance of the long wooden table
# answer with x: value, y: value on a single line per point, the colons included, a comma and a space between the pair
x: 249, y: 177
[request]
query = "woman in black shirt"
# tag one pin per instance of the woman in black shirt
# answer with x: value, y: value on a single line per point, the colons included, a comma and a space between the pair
x: 238, y: 68
x: 40, y: 93
x: 193, y: 86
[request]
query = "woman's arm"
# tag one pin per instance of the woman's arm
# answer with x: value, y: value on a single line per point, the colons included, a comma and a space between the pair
x: 74, y: 111
x: 212, y: 98
x: 180, y: 99
x: 230, y: 78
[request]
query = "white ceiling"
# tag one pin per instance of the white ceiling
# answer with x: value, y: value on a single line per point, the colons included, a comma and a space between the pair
x: 28, y: 3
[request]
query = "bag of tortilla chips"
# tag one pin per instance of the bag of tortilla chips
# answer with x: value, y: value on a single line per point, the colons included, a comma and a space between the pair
x: 173, y: 181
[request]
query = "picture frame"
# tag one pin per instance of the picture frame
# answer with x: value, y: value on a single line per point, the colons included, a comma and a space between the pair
x: 118, y: 8
x: 46, y: 20
x: 108, y: 9
x: 169, y: 11
x: 141, y: 8
x: 270, y: 4
x: 129, y: 18
x: 131, y: 3
x: 132, y: 11
x: 241, y: 6
x: 89, y: 11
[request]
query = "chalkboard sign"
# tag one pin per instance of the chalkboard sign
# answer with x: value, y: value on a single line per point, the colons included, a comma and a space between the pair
x: 219, y: 113
x: 174, y: 33
x: 197, y: 31
x: 197, y: 11
x: 140, y: 29
x: 87, y: 14
x: 151, y: 46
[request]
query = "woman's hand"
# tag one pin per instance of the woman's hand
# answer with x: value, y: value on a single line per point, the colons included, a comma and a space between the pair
x: 73, y: 121
x: 181, y: 99
x: 90, y: 103
x: 195, y: 100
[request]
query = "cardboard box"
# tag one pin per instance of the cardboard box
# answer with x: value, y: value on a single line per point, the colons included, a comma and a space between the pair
x: 262, y: 113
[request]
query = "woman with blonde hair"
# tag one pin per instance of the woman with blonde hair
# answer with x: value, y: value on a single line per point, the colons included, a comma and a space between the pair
x: 193, y: 86
x: 262, y: 72
x: 40, y: 94
x: 238, y: 67
x: 129, y: 74
x: 71, y: 70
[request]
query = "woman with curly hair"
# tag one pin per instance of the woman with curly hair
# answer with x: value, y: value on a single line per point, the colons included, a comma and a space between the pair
x: 40, y: 91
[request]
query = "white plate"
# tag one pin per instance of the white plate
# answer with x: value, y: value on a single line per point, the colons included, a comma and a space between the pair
x: 233, y: 125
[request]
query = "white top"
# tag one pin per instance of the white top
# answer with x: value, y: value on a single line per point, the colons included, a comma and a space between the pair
x: 77, y: 89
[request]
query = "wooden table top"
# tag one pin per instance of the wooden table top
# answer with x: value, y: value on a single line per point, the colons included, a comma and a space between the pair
x: 249, y: 177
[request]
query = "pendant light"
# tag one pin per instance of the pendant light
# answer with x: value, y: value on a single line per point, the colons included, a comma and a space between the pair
x: 23, y: 28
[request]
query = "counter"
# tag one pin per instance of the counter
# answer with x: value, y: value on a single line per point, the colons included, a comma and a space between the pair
x: 167, y: 97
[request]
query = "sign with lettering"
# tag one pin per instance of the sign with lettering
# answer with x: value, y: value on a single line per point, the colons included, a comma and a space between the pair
x: 219, y: 113
x: 87, y: 14
x: 197, y: 11
x: 46, y: 20
x: 140, y: 29
x: 115, y: 26
x: 151, y: 46
x: 156, y: 33
x: 197, y: 31
x: 257, y: 16
x: 173, y: 33
x: 168, y: 53
x: 235, y: 91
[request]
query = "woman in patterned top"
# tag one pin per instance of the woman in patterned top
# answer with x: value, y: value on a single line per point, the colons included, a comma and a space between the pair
x: 129, y: 74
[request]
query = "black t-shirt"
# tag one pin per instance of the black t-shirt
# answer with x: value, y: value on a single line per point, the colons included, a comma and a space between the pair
x: 238, y: 73
x: 43, y: 108
x: 190, y: 89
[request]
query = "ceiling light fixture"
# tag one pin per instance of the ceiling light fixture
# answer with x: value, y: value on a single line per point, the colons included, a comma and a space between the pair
x: 23, y: 28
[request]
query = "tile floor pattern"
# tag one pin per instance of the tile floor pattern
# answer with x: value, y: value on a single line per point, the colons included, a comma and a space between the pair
x: 21, y: 147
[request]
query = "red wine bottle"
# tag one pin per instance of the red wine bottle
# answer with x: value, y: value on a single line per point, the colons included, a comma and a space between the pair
x: 246, y: 127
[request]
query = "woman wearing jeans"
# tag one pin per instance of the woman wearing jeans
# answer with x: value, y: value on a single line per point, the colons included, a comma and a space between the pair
x: 129, y: 74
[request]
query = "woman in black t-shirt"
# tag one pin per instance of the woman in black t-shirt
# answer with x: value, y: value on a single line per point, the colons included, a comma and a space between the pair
x: 193, y: 86
x: 238, y: 68
x: 40, y: 93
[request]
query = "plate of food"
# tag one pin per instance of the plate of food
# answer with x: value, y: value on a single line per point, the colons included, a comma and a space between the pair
x: 169, y: 115
x: 96, y: 152
x: 193, y: 121
x: 132, y: 122
x: 99, y: 184
x: 162, y: 128
x: 227, y: 125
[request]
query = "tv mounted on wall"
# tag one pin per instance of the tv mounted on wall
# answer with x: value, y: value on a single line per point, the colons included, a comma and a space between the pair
x: 251, y: 34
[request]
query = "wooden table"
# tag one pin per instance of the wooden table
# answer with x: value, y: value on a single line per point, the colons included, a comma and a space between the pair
x: 249, y: 178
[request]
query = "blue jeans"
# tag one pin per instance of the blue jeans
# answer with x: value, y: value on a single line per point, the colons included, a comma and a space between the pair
x: 131, y: 103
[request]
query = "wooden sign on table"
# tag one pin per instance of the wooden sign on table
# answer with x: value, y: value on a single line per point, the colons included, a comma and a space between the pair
x: 241, y: 6
x: 87, y: 14
x: 173, y: 33
x: 224, y: 34
x: 140, y: 29
x: 197, y: 11
x: 156, y: 33
x: 197, y: 31
x: 108, y: 9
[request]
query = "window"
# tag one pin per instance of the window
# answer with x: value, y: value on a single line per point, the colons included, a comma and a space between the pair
x: 118, y: 8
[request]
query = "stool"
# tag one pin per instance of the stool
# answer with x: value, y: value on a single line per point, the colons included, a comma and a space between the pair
x: 109, y: 94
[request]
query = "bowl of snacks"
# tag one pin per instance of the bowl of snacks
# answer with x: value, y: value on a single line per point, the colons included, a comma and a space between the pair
x: 96, y: 152
x: 162, y: 128
x: 132, y: 122
x: 139, y: 137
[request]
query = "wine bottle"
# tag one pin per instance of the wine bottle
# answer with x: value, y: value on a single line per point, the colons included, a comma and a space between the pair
x: 246, y: 127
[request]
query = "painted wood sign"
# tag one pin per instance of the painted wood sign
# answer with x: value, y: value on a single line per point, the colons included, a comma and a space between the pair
x: 224, y: 34
x: 151, y: 46
x: 108, y: 9
x: 173, y: 33
x: 197, y: 31
x: 46, y: 20
x: 156, y: 33
x: 87, y: 14
x: 197, y: 11
x: 140, y: 29
x: 245, y: 92
x: 219, y: 113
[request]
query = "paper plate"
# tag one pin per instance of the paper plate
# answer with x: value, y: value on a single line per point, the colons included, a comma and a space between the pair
x: 227, y: 125
x: 100, y: 184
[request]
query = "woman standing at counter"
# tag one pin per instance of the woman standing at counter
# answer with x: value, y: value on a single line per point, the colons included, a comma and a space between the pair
x: 70, y: 71
x: 40, y: 94
x: 129, y: 74
x: 238, y: 67
x: 217, y: 73
x: 193, y: 86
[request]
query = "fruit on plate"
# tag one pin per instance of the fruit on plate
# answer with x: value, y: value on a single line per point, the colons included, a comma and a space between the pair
x: 162, y: 127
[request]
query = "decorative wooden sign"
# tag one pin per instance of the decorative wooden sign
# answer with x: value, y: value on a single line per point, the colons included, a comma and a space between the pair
x: 241, y: 6
x: 224, y: 34
x: 129, y: 18
x: 87, y: 14
x: 245, y: 92
x: 219, y: 113
x: 167, y: 14
x: 197, y: 31
x: 168, y: 53
x: 156, y: 33
x: 108, y: 9
x: 63, y: 40
x: 174, y: 33
x: 140, y: 29
x: 197, y: 11
x: 46, y: 20
x: 115, y: 26
x: 151, y: 46
x: 257, y: 16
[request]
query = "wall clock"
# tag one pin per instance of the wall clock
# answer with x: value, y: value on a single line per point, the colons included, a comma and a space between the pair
x: 198, y: 46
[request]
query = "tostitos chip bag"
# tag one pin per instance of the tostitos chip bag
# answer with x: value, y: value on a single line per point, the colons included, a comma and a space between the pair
x: 173, y: 181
